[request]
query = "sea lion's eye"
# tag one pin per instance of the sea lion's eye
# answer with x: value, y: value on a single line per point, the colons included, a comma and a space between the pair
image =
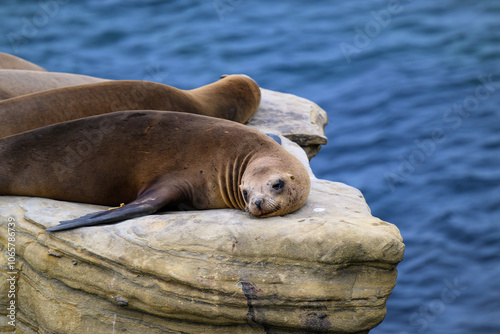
x: 245, y: 195
x: 279, y: 185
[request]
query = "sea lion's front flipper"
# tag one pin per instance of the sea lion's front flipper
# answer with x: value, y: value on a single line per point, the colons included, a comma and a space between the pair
x: 147, y: 203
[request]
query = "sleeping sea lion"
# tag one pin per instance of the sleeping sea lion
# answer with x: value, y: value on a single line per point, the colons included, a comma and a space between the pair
x: 152, y: 160
x: 8, y: 61
x: 234, y: 97
x: 15, y: 83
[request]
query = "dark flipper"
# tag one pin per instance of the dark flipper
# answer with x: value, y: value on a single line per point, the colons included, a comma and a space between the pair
x: 106, y: 217
x: 147, y: 203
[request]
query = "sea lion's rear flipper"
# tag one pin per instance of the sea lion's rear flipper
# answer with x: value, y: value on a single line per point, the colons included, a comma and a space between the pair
x: 147, y: 203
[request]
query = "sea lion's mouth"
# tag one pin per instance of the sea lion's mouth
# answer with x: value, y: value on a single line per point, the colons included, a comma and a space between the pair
x: 263, y: 207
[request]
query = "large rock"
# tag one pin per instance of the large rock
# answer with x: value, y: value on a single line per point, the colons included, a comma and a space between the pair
x: 296, y: 118
x: 328, y: 267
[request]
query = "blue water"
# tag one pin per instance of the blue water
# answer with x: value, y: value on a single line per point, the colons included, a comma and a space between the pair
x: 411, y: 124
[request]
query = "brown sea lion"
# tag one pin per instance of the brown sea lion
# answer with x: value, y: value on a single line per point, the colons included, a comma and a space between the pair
x: 151, y: 160
x: 15, y: 83
x: 8, y: 61
x: 234, y: 97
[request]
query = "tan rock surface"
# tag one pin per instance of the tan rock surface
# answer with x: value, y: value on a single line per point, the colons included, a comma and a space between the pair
x: 296, y: 118
x: 328, y: 267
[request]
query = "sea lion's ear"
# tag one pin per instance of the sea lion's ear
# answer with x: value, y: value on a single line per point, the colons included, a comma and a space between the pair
x: 224, y: 75
x: 275, y: 137
x: 291, y: 176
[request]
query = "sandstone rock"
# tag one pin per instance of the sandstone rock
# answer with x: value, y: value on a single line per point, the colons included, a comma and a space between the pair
x: 296, y: 118
x: 328, y: 267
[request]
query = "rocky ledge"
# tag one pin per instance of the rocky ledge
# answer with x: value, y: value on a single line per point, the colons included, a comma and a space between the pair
x: 328, y: 267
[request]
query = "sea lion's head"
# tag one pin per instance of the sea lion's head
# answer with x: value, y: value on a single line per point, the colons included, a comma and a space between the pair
x: 273, y: 187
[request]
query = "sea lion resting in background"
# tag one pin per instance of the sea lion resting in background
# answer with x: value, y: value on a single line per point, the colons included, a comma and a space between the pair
x: 8, y: 61
x: 15, y: 83
x: 234, y: 97
x: 151, y: 160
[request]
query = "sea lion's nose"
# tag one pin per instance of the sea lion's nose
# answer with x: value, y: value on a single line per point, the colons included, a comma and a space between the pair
x: 258, y: 203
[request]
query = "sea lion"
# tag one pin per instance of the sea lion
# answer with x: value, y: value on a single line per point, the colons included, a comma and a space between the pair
x: 15, y: 83
x: 151, y: 160
x: 8, y: 61
x: 234, y: 97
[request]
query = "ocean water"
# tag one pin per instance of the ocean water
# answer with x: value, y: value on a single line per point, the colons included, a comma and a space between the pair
x: 412, y: 90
